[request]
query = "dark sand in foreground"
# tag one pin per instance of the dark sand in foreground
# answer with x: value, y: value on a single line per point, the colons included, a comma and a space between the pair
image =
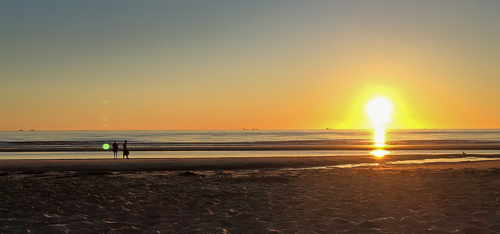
x: 431, y: 198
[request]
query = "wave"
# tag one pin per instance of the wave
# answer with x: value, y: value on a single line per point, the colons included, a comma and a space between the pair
x: 247, y: 140
x: 356, y: 144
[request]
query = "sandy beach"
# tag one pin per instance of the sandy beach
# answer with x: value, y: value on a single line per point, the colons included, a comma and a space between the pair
x: 248, y: 196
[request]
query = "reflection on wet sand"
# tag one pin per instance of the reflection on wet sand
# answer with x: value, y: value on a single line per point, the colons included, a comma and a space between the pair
x: 443, y: 160
x: 380, y: 153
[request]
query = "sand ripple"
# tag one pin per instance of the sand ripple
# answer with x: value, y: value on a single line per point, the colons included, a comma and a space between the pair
x: 272, y: 201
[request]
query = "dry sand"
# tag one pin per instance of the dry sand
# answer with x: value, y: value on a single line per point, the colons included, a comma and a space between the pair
x: 431, y: 198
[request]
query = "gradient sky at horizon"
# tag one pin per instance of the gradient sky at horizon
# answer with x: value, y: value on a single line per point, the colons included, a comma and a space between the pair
x: 92, y: 65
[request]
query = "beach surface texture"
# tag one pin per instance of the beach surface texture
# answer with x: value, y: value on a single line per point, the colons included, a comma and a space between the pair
x: 248, y: 196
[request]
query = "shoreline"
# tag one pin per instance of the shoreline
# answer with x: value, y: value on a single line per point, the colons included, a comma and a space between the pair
x: 240, y: 163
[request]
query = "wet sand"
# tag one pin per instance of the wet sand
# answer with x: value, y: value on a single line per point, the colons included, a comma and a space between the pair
x: 173, y: 164
x: 430, y: 198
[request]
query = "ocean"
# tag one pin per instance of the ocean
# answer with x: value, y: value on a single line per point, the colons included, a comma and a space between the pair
x: 242, y: 143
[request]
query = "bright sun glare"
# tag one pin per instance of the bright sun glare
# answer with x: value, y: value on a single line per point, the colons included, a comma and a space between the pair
x: 379, y: 110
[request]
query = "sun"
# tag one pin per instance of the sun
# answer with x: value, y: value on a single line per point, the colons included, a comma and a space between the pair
x: 379, y: 110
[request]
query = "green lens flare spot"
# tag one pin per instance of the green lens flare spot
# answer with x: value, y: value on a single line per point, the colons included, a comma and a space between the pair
x: 105, y: 146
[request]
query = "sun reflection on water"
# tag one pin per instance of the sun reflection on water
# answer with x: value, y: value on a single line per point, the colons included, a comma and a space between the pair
x: 379, y: 110
x: 379, y: 135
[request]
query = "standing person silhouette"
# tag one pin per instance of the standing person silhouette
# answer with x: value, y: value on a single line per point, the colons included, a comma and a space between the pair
x: 125, y: 149
x: 115, y: 150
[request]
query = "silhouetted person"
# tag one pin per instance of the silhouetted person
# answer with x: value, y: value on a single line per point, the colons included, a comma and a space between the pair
x: 125, y: 150
x: 115, y: 150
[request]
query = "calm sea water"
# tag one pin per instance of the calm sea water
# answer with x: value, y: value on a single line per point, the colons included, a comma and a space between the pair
x: 54, y: 139
x: 169, y: 136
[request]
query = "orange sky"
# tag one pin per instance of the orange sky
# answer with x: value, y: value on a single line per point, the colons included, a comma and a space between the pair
x: 232, y: 65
